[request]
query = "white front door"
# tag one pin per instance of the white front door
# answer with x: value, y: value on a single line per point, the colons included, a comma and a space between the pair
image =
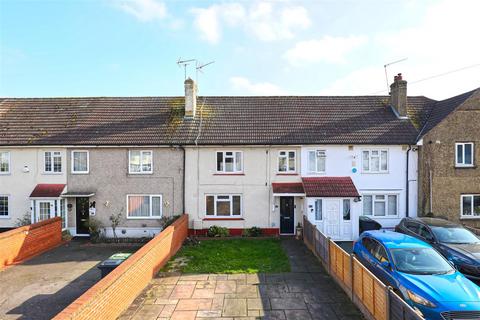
x: 45, y: 210
x: 332, y: 219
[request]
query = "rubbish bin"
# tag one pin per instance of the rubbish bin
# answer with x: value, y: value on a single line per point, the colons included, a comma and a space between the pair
x: 112, y: 262
x: 367, y: 223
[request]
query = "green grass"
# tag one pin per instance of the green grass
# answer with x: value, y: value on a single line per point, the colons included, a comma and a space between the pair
x: 231, y: 256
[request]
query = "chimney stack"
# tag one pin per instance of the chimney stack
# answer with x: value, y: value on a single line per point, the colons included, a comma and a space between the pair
x: 398, y: 96
x: 190, y: 98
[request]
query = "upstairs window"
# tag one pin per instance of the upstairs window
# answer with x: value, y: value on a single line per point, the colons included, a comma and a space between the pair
x: 464, y: 154
x: 4, y: 162
x: 286, y: 161
x: 140, y: 161
x: 53, y: 162
x: 380, y: 205
x: 316, y: 161
x: 229, y: 161
x: 224, y: 206
x: 80, y: 162
x: 375, y: 161
x: 470, y: 206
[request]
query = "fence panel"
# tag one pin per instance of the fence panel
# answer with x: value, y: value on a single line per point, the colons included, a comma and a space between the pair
x: 400, y: 310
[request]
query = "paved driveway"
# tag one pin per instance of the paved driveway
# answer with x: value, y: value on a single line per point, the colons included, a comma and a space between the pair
x: 305, y: 293
x: 45, y: 285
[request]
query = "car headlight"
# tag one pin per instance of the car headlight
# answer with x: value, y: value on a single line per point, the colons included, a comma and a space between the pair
x: 420, y: 300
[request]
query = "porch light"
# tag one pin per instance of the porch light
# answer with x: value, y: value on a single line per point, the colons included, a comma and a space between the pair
x: 357, y: 199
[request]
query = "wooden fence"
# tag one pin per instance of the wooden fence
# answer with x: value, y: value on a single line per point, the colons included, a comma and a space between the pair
x: 370, y: 295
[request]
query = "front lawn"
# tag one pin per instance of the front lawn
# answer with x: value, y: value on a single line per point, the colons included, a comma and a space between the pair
x: 231, y: 256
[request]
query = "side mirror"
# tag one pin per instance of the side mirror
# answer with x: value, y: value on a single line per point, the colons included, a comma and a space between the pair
x: 386, y: 265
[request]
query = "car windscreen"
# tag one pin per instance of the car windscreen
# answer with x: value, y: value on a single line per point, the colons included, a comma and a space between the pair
x: 420, y: 261
x: 454, y: 235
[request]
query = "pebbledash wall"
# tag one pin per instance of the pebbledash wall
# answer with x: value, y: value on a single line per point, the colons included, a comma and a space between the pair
x: 260, y: 169
x: 259, y: 208
x: 442, y: 183
x: 22, y: 243
x: 26, y: 171
x: 109, y: 180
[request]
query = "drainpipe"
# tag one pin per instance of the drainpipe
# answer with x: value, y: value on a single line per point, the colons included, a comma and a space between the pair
x: 407, y: 187
x: 183, y: 186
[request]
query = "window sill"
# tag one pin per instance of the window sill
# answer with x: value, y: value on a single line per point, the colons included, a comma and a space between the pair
x: 5, y: 173
x: 144, y: 218
x: 5, y: 217
x: 465, y: 167
x: 223, y: 219
x: 469, y: 218
x: 80, y: 173
x: 229, y: 174
x: 53, y: 173
x: 139, y: 173
x: 286, y: 174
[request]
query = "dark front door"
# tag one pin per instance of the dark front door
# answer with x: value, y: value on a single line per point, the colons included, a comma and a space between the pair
x: 287, y: 223
x: 82, y: 205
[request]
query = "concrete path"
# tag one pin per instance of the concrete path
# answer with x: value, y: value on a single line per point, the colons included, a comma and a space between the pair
x: 45, y: 285
x: 305, y: 293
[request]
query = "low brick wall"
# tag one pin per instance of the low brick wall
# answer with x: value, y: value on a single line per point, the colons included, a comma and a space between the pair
x: 25, y: 242
x: 113, y: 294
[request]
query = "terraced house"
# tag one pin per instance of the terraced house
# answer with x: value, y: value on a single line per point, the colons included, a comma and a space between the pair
x: 237, y: 162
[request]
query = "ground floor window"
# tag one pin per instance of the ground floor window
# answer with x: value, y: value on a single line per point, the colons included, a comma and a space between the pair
x: 144, y: 206
x: 380, y: 205
x: 62, y: 214
x: 346, y: 209
x: 470, y: 205
x: 4, y: 207
x: 225, y: 205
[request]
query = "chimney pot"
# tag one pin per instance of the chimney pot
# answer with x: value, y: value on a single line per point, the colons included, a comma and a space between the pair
x: 398, y: 96
x: 190, y: 98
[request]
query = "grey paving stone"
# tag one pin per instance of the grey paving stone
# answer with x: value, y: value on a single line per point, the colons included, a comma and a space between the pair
x: 287, y: 303
x: 235, y: 308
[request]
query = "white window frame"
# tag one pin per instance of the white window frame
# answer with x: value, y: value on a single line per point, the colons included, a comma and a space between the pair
x: 141, y: 162
x: 234, y: 162
x: 151, y: 207
x: 8, y: 161
x: 73, y: 162
x: 316, y: 160
x: 471, y: 216
x: 386, y: 216
x: 287, y: 152
x: 215, y: 199
x: 52, y: 160
x: 8, y: 206
x: 464, y: 165
x: 380, y: 150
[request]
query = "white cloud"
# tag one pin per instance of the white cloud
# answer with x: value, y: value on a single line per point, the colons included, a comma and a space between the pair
x: 262, y: 20
x: 327, y: 49
x: 245, y: 86
x: 144, y: 10
x: 444, y: 40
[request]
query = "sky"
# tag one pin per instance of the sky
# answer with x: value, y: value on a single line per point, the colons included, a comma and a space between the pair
x: 63, y: 48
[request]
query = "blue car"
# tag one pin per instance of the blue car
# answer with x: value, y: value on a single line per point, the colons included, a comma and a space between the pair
x: 419, y: 274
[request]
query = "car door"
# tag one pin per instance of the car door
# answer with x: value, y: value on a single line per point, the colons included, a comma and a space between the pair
x: 411, y: 228
x: 364, y: 255
x: 383, y: 273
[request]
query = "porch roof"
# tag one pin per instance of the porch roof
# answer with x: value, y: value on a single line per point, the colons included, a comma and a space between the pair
x: 329, y: 187
x: 78, y: 194
x: 292, y: 188
x: 46, y: 190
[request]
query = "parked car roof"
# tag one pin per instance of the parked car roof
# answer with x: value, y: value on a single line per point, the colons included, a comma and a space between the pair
x: 396, y: 240
x: 436, y: 222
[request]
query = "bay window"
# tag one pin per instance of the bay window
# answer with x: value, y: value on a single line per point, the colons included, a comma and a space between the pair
x: 225, y: 206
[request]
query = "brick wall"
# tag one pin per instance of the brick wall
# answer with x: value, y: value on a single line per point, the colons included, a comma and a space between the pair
x: 113, y: 294
x: 27, y: 241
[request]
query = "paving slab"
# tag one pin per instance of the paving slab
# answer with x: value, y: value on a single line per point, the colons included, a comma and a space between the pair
x: 307, y: 292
